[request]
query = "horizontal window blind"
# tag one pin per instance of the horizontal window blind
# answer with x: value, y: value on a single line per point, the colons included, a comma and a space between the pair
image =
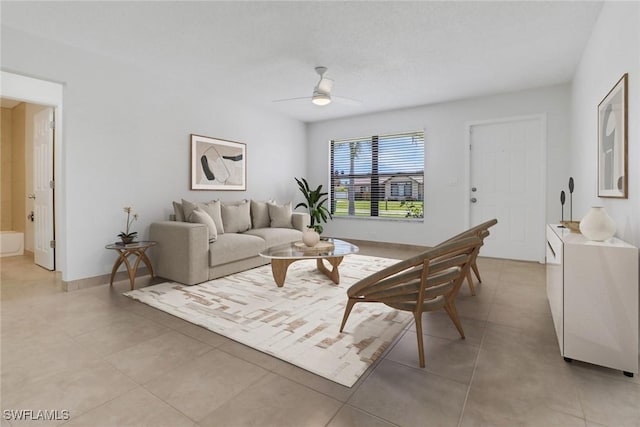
x: 378, y: 176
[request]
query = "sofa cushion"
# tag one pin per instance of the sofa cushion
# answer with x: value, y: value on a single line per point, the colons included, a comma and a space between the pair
x: 178, y: 212
x: 212, y: 208
x: 235, y: 202
x: 276, y: 236
x: 188, y: 207
x: 233, y: 247
x: 236, y: 218
x: 280, y: 215
x: 199, y: 216
x: 260, y: 214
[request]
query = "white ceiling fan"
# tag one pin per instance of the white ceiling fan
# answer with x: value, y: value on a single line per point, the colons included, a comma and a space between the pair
x: 322, y: 92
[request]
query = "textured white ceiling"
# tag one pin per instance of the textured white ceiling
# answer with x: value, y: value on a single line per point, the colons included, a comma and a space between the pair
x: 387, y: 54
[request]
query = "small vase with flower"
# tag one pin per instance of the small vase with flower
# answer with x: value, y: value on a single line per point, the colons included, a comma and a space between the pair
x: 129, y: 236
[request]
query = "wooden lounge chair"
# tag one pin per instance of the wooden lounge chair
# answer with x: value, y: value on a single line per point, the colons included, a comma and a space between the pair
x: 478, y: 231
x: 426, y: 282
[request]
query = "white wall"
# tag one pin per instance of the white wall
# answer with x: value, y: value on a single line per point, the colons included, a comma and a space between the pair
x: 126, y: 143
x: 612, y: 50
x: 445, y: 144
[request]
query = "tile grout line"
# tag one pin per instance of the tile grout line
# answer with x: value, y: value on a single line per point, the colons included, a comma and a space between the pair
x: 103, y: 403
x: 360, y: 380
x: 475, y: 365
x: 142, y: 385
x: 346, y: 404
x: 473, y: 373
x: 197, y: 422
x: 335, y: 414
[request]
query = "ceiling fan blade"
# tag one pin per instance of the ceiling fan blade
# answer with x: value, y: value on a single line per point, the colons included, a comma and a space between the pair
x: 346, y: 101
x: 322, y: 93
x: 292, y: 99
x: 325, y: 84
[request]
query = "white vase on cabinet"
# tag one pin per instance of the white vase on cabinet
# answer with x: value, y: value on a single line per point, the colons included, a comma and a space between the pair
x: 597, y: 225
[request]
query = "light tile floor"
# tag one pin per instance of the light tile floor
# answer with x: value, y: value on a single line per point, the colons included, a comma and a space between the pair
x: 112, y: 361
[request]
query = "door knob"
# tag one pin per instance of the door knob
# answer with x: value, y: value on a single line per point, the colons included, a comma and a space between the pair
x: 31, y: 196
x: 473, y: 200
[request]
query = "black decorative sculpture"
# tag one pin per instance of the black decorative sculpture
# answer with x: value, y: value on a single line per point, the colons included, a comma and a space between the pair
x: 562, y: 200
x: 570, y: 198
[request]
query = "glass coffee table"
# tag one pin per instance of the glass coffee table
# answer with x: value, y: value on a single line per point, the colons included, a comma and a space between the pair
x: 332, y: 250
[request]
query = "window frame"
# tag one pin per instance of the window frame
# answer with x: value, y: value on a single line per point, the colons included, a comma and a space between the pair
x: 413, y: 204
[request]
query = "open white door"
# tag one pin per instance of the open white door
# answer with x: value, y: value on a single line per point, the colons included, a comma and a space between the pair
x: 43, y: 127
x: 507, y: 183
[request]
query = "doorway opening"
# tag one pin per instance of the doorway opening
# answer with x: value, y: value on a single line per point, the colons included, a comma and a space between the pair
x: 27, y: 205
x: 32, y: 109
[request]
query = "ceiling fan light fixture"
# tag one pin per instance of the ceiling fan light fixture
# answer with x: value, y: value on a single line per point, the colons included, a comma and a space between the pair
x: 321, y: 99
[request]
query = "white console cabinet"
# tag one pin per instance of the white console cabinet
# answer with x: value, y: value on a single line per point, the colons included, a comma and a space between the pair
x: 592, y: 289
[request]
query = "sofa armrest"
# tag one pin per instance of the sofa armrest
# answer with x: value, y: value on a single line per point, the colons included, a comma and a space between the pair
x: 182, y: 252
x: 300, y: 220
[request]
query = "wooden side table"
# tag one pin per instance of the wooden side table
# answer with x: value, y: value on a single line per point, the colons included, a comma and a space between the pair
x: 138, y: 250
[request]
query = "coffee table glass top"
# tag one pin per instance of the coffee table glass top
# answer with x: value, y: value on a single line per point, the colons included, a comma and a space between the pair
x: 295, y: 250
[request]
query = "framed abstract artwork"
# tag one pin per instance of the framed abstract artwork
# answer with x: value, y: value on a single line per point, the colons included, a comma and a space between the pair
x: 612, y: 142
x: 217, y: 164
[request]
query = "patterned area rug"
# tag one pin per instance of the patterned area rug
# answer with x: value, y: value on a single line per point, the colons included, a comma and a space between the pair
x: 298, y: 323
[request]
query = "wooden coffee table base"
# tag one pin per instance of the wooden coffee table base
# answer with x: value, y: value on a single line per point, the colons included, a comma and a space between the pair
x: 279, y: 268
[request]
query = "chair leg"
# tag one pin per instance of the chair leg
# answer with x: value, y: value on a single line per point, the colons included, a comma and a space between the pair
x: 347, y: 312
x: 474, y: 266
x: 451, y: 310
x: 470, y: 282
x: 418, y: 317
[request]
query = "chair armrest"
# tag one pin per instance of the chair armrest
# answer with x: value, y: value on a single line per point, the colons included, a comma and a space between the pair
x: 300, y: 220
x: 182, y: 252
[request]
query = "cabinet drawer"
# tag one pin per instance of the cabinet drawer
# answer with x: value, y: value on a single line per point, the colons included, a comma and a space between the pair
x: 555, y: 288
x: 554, y: 247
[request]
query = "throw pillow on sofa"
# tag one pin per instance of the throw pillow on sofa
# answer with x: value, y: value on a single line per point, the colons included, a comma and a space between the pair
x: 178, y: 212
x: 201, y: 217
x: 280, y: 215
x: 236, y: 217
x: 260, y: 214
x: 212, y: 208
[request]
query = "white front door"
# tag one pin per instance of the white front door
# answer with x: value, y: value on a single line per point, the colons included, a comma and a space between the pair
x: 43, y: 188
x: 507, y: 183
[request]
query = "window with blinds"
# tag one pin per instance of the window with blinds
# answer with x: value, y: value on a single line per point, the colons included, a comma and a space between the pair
x: 378, y: 176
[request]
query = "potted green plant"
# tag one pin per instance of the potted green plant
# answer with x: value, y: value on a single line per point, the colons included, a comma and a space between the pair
x: 315, y: 205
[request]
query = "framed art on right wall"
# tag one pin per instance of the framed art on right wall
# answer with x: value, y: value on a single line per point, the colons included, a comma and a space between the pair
x: 612, y: 142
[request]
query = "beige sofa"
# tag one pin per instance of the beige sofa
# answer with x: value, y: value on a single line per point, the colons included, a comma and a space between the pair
x: 188, y: 253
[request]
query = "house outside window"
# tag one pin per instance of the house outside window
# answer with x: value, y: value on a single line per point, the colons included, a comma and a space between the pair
x: 401, y: 189
x: 378, y: 176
